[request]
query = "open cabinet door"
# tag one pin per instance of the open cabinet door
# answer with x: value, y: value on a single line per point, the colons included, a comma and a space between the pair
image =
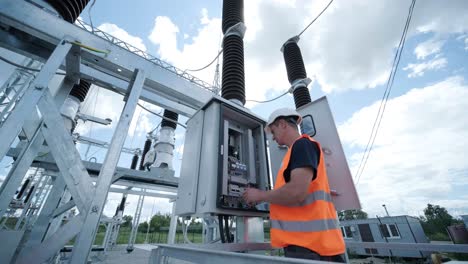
x: 318, y: 122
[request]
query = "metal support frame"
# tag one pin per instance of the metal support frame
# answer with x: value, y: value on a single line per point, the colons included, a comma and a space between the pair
x: 12, y: 125
x: 84, y: 241
x: 112, y: 233
x: 65, y: 154
x: 210, y: 229
x: 20, y: 168
x: 144, y: 192
x: 31, y: 133
x: 57, y: 221
x: 136, y: 222
x: 107, y: 241
x: 51, y: 245
x: 62, y: 209
x: 101, y: 144
x: 13, y: 89
x: 165, y: 84
x: 42, y: 223
x: 34, y: 200
x: 172, y: 224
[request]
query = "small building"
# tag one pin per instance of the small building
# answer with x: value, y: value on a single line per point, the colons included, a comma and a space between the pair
x: 465, y: 220
x: 390, y: 229
x: 459, y: 233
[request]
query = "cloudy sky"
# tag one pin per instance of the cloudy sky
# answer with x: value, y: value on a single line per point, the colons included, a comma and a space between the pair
x: 420, y: 153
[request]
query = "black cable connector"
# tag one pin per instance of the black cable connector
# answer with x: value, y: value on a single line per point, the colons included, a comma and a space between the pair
x: 221, y: 229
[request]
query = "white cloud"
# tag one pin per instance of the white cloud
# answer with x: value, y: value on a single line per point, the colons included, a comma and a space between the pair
x: 418, y: 69
x: 123, y: 35
x: 419, y: 154
x: 203, y: 48
x: 428, y: 47
x: 350, y: 46
x: 465, y: 38
x: 165, y: 35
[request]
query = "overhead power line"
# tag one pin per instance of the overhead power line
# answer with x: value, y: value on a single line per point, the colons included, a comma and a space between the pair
x: 163, y: 117
x: 89, y: 14
x: 270, y: 100
x: 315, y: 19
x: 383, y: 102
x: 204, y: 67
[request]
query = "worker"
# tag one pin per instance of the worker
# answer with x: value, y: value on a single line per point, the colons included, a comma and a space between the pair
x: 303, y: 218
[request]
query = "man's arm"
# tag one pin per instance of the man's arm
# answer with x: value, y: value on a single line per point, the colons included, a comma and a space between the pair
x: 292, y: 193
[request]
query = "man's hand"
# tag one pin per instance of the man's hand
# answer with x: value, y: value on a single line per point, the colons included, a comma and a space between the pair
x: 252, y: 196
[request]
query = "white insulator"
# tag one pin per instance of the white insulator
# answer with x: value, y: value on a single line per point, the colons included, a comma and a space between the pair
x: 69, y: 109
x: 164, y: 148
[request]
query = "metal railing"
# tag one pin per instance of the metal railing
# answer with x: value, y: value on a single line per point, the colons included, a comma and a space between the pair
x: 227, y: 253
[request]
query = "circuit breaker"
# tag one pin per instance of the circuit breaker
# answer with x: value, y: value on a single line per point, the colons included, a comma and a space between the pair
x: 224, y: 153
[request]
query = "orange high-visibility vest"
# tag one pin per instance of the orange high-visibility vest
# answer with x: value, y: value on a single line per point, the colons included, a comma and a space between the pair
x: 312, y: 224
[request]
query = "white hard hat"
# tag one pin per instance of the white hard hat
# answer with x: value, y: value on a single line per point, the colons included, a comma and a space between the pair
x: 282, y: 112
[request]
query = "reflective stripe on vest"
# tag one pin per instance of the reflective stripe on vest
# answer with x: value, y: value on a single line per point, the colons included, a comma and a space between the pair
x: 306, y: 226
x: 316, y: 196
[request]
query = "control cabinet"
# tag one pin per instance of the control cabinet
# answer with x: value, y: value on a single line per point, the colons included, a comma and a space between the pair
x: 224, y: 153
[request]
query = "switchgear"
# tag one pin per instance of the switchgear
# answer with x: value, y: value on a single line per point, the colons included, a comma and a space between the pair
x: 224, y: 153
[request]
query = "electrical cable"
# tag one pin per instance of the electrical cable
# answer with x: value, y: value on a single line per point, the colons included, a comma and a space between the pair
x: 390, y: 81
x: 154, y: 129
x: 267, y: 101
x: 94, y: 111
x: 315, y: 19
x: 24, y: 67
x: 95, y: 152
x: 89, y: 47
x: 221, y: 229
x: 156, y: 114
x: 42, y: 154
x: 383, y: 102
x: 163, y: 117
x: 217, y: 56
x: 89, y: 15
x: 134, y: 129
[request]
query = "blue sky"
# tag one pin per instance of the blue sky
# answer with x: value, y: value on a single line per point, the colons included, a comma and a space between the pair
x: 420, y: 153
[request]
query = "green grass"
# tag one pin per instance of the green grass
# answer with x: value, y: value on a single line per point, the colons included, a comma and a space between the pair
x: 153, y: 237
